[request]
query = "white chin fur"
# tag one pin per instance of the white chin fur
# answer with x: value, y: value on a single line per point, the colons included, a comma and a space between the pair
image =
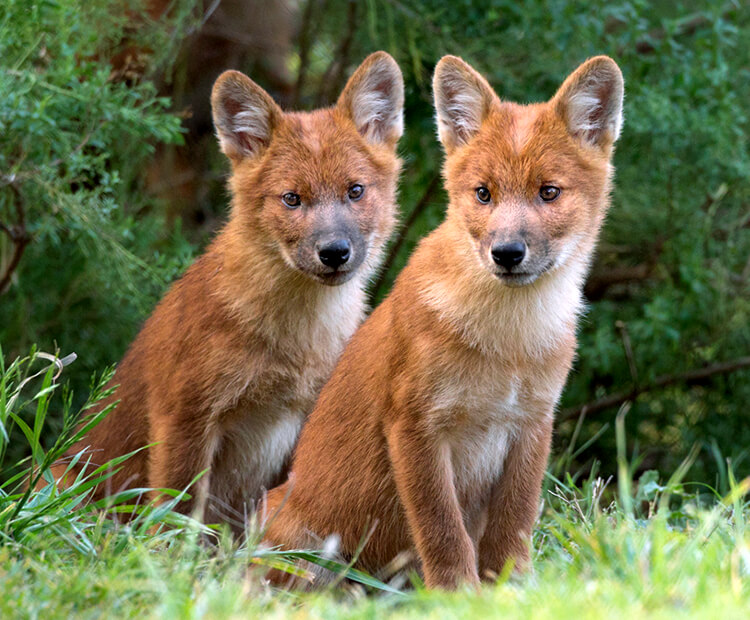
x: 517, y: 281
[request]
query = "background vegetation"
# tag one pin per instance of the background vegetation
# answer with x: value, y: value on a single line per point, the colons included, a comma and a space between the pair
x: 110, y: 179
x: 111, y: 183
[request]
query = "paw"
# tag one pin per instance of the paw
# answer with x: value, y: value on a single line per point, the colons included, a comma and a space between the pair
x: 493, y: 569
x: 452, y: 577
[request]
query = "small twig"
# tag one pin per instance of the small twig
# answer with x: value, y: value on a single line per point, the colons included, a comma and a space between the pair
x: 332, y: 79
x: 18, y: 235
x: 80, y: 145
x: 305, y: 43
x: 622, y: 327
x: 45, y: 84
x: 601, y: 280
x: 206, y: 16
x: 20, y: 243
x: 691, y: 377
x: 404, y: 231
x: 15, y: 178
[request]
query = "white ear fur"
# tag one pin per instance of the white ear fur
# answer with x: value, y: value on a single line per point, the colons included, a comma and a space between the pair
x: 244, y: 115
x: 374, y: 99
x: 590, y: 101
x: 462, y: 100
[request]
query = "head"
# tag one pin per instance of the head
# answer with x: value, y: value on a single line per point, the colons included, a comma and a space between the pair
x: 315, y: 189
x: 528, y: 185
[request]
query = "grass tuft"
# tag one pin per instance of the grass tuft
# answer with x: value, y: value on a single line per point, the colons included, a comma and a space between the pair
x: 635, y: 548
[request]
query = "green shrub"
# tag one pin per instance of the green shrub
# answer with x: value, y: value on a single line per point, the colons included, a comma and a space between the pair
x: 75, y: 139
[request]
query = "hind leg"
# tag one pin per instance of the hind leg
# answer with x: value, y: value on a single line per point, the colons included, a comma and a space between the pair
x: 283, y: 528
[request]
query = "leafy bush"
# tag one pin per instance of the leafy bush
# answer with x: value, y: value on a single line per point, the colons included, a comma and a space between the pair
x: 83, y: 256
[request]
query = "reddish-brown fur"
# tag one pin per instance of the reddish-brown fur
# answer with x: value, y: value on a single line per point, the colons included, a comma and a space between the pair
x: 230, y: 362
x: 435, y: 426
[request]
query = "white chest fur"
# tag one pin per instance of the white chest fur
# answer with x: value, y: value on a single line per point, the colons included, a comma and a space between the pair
x: 259, y: 405
x: 480, y: 418
x: 526, y: 321
x: 489, y: 394
x: 503, y: 381
x: 252, y: 451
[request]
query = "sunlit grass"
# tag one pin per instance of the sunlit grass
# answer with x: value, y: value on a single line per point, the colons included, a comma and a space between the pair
x: 655, y: 546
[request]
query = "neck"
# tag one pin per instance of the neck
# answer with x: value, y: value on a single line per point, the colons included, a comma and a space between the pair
x: 271, y: 298
x: 527, y: 321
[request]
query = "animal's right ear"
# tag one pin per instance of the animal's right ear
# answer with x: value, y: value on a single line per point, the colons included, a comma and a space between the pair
x: 244, y: 116
x: 463, y: 99
x: 373, y: 99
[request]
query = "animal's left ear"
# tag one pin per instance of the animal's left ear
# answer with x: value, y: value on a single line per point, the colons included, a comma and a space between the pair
x: 374, y: 99
x: 590, y: 101
x: 244, y: 114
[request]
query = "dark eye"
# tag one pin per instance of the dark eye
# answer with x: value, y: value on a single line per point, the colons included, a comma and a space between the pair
x: 291, y: 200
x: 355, y: 192
x: 483, y: 195
x: 548, y: 193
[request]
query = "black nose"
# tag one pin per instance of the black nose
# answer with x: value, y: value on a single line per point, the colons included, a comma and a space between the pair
x: 335, y: 253
x: 508, y: 254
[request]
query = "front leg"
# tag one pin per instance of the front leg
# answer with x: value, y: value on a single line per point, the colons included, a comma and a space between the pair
x: 515, y: 502
x: 424, y: 481
x: 181, y: 452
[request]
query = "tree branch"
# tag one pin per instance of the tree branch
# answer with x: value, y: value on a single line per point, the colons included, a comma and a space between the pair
x: 404, y: 231
x: 331, y: 82
x: 305, y: 43
x: 18, y: 235
x: 690, y: 377
x: 602, y: 279
x: 600, y: 282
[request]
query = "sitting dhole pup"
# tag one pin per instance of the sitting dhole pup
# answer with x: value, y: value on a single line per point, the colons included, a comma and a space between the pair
x: 230, y: 363
x: 435, y: 426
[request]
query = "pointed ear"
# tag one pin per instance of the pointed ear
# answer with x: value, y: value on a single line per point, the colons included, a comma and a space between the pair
x: 373, y: 99
x: 590, y: 101
x: 463, y: 99
x: 244, y: 115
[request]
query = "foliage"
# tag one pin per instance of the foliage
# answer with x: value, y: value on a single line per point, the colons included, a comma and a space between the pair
x: 31, y: 504
x: 76, y: 133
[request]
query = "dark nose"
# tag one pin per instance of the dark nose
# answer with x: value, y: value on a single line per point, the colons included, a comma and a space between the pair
x: 335, y: 253
x: 508, y: 255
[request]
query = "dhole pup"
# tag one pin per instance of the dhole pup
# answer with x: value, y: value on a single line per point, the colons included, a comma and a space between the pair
x: 435, y: 427
x: 230, y: 363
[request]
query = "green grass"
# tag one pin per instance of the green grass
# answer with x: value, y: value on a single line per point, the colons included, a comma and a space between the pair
x: 651, y: 547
